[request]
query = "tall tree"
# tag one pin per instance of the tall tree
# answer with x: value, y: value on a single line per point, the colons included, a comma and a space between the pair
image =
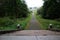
x: 13, y: 8
x: 51, y: 9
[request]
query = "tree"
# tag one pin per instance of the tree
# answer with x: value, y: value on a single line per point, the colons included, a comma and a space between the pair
x: 13, y: 8
x: 51, y: 9
x: 40, y: 10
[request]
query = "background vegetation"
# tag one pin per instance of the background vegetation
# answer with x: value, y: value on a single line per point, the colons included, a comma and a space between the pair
x: 50, y: 9
x: 11, y: 11
x: 49, y: 13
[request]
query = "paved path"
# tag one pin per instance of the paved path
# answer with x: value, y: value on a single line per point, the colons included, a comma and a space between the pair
x: 29, y: 37
x: 33, y: 33
x: 33, y: 24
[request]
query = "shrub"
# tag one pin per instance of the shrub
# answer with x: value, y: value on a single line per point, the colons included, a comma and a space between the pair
x: 6, y: 22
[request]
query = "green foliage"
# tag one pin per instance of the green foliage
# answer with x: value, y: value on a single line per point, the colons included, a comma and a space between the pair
x: 40, y: 11
x: 11, y: 24
x: 22, y: 9
x: 12, y: 11
x: 13, y: 8
x: 51, y: 9
x: 44, y: 23
x: 6, y: 22
x: 7, y: 7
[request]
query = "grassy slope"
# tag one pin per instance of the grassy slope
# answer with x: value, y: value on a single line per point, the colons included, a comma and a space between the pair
x: 44, y: 23
x: 22, y: 21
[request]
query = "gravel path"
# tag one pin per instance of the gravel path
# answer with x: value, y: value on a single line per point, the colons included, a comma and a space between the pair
x: 33, y: 24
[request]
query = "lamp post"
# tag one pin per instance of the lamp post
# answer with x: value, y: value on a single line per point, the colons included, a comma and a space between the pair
x: 18, y: 26
x: 50, y: 26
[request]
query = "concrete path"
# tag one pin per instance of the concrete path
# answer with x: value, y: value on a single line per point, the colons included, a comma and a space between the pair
x: 29, y: 37
x: 33, y: 33
x: 33, y: 24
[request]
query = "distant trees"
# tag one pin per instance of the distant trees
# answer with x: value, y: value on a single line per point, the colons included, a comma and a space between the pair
x: 13, y: 8
x: 50, y: 9
x: 22, y: 10
x: 7, y: 7
x: 40, y: 11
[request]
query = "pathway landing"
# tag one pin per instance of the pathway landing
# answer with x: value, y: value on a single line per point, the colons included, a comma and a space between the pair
x: 33, y: 33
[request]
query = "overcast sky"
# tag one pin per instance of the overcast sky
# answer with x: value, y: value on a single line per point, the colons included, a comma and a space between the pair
x: 34, y: 3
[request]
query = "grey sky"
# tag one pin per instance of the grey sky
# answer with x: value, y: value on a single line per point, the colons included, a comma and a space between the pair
x: 34, y: 3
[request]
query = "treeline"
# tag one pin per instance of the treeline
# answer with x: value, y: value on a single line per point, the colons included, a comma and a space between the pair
x: 13, y: 8
x: 50, y: 9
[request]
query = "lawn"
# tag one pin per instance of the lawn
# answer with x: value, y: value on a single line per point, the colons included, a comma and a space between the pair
x: 44, y: 23
x: 9, y: 24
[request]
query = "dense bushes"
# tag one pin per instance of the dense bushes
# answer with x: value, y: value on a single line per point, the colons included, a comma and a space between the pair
x: 6, y: 22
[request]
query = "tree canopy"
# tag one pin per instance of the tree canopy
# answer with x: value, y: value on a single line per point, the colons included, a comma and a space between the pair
x: 51, y: 9
x: 13, y: 8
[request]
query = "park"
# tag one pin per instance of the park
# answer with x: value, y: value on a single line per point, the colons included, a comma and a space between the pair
x: 30, y: 18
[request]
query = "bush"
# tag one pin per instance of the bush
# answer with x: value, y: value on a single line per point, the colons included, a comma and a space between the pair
x: 6, y: 22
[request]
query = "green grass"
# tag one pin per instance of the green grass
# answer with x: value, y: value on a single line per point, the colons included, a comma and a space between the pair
x: 9, y: 24
x: 6, y: 24
x: 24, y: 21
x: 44, y: 23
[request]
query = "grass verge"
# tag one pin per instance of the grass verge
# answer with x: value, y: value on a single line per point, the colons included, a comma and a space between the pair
x: 9, y: 24
x: 44, y: 23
